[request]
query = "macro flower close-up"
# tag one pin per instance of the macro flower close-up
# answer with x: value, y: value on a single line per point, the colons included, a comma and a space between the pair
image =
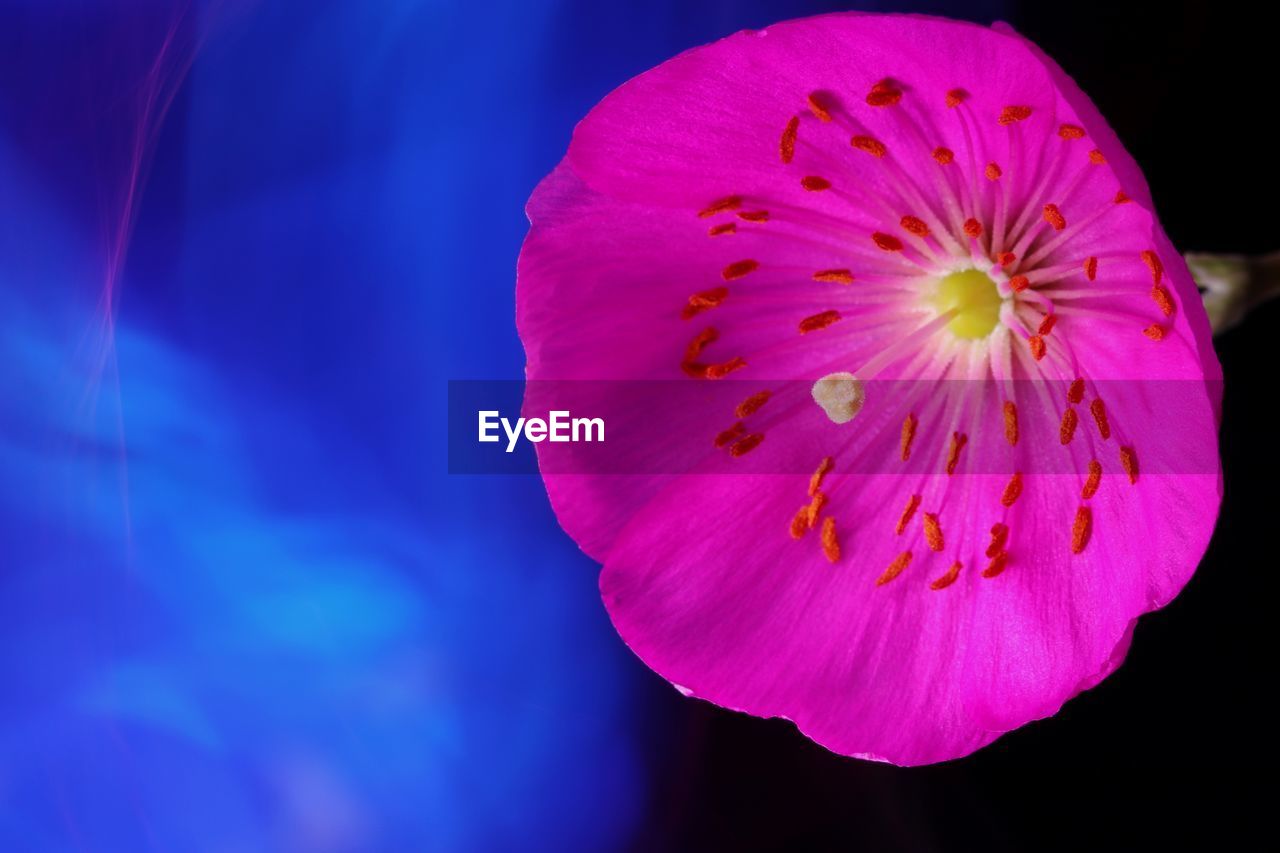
x: 975, y: 401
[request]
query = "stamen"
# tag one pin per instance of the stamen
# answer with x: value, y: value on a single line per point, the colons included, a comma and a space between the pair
x: 730, y: 435
x: 1152, y: 260
x: 943, y: 155
x: 752, y: 404
x: 997, y: 565
x: 1091, y: 268
x: 1099, y: 411
x: 909, y: 510
x: 830, y: 544
x: 915, y: 225
x: 1011, y: 423
x: 1075, y: 391
x: 956, y: 97
x: 973, y: 228
x: 1160, y: 295
x: 787, y: 146
x: 1012, y: 490
x: 1155, y: 331
x: 933, y: 532
x: 887, y: 242
x: 700, y: 342
x: 884, y: 94
x: 1011, y: 114
x: 872, y: 146
x: 1047, y: 324
x: 738, y: 269
x: 948, y: 579
x: 815, y: 481
x: 819, y: 321
x: 1071, y: 131
x: 1019, y: 283
x: 724, y: 368
x: 899, y: 563
x: 838, y: 276
x: 800, y: 522
x: 704, y: 301
x: 818, y: 108
x: 999, y: 536
x: 908, y: 435
x: 754, y: 215
x: 1080, y: 529
x: 1068, y: 429
x: 1094, y: 480
x: 1037, y: 347
x: 815, y: 184
x: 1129, y: 462
x: 1006, y: 258
x: 729, y: 202
x: 992, y: 172
x: 1096, y: 158
x: 746, y: 445
x: 958, y: 441
x: 814, y: 509
x: 723, y: 228
x: 1122, y: 197
x: 1054, y: 217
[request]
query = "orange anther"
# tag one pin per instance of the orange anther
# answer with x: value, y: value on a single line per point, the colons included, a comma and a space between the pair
x: 1080, y: 529
x: 1096, y: 157
x: 838, y: 276
x: 1012, y: 114
x: 908, y: 511
x: 1071, y: 131
x: 999, y: 536
x: 738, y: 269
x: 752, y: 404
x: 973, y: 228
x: 830, y: 544
x: 908, y: 435
x: 943, y: 155
x: 1011, y: 423
x: 1011, y: 490
x: 1036, y: 343
x: 800, y: 522
x: 819, y: 321
x: 722, y: 228
x: 997, y: 565
x: 956, y: 97
x: 1054, y: 217
x: 724, y: 368
x: 1155, y: 331
x: 1122, y: 197
x: 746, y: 444
x: 1093, y: 481
x: 992, y: 172
x: 933, y: 531
x: 1006, y: 258
x: 915, y: 225
x: 1019, y: 283
x: 818, y: 108
x: 1091, y: 268
x: 787, y: 146
x: 754, y: 215
x: 884, y: 94
x: 815, y: 480
x: 1099, y: 411
x: 958, y: 441
x: 704, y: 301
x: 887, y: 242
x: 1067, y: 431
x: 815, y: 184
x: 1160, y: 296
x: 872, y: 146
x: 730, y: 435
x: 949, y: 578
x: 1047, y: 324
x: 1075, y: 391
x: 1129, y: 462
x: 1152, y: 260
x: 729, y: 202
x: 899, y: 563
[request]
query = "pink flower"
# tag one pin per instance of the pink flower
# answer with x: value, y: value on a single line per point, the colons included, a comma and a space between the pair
x: 876, y: 206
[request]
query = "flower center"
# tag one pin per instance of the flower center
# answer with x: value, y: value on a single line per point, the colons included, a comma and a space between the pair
x: 973, y: 296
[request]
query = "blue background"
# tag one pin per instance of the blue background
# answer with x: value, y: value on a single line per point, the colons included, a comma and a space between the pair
x: 243, y: 605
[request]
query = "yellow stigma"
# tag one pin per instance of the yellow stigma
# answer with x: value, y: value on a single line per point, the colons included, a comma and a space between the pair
x: 973, y: 296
